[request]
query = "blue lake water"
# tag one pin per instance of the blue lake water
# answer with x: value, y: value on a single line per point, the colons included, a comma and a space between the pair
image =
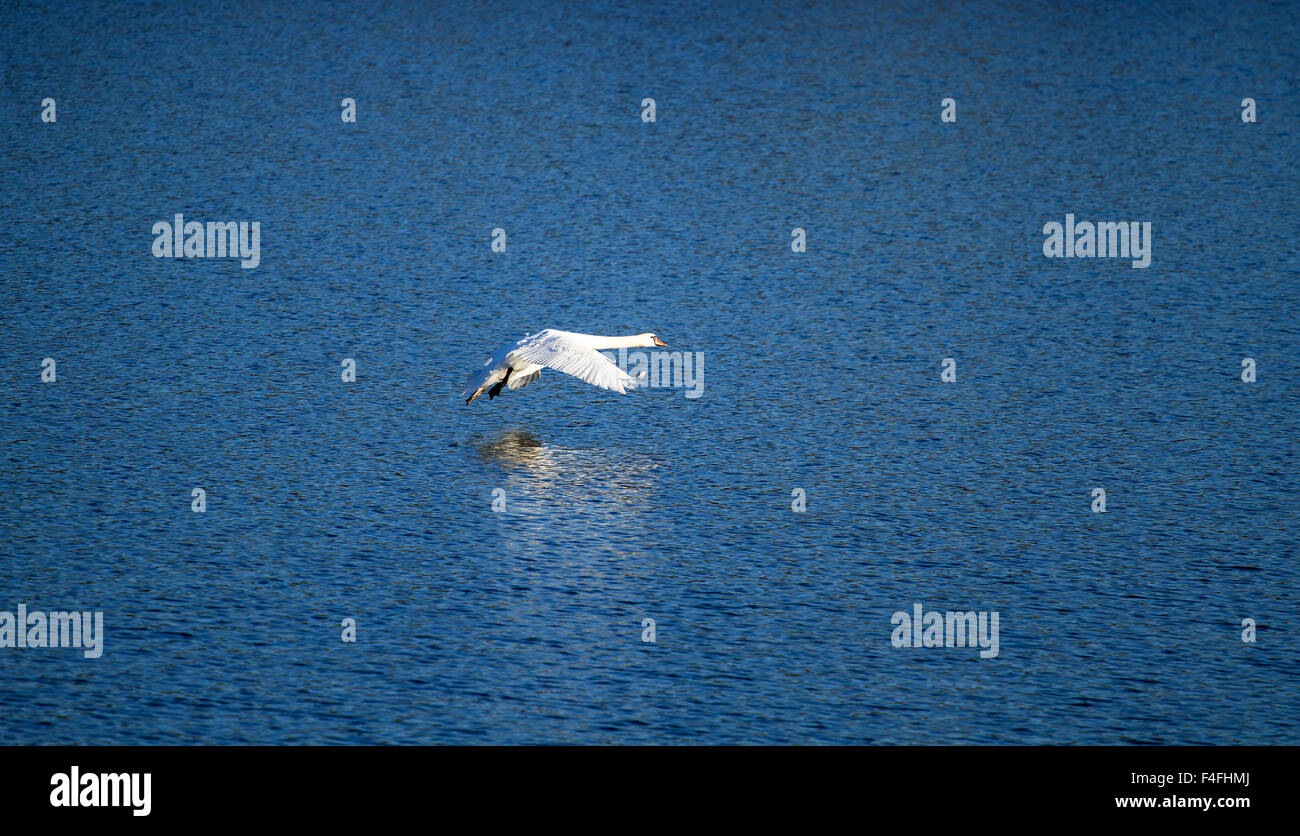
x: 373, y: 500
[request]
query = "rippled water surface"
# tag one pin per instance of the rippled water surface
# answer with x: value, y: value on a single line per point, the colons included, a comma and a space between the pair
x: 373, y: 500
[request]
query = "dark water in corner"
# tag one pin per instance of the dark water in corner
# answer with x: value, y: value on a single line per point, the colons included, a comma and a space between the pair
x: 373, y: 500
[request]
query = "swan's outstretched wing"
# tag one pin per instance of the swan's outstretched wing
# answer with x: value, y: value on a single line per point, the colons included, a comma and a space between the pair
x: 560, y: 351
x: 519, y: 380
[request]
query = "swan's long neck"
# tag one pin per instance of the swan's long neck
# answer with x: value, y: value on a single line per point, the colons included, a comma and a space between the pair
x: 602, y: 343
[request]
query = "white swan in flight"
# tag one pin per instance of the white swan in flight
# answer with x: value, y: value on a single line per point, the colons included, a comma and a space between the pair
x: 520, y: 363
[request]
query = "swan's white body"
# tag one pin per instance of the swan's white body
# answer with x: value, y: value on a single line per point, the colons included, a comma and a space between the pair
x: 520, y: 363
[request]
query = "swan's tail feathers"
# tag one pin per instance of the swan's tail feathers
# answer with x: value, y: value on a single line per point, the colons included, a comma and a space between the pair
x: 479, y: 382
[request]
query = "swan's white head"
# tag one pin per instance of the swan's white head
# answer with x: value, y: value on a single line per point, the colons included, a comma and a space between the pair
x: 649, y: 340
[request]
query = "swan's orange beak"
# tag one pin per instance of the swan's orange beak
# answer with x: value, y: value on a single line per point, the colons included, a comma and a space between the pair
x: 660, y: 342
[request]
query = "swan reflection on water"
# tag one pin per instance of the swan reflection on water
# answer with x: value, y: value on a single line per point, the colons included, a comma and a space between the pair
x: 552, y: 469
x: 561, y: 494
